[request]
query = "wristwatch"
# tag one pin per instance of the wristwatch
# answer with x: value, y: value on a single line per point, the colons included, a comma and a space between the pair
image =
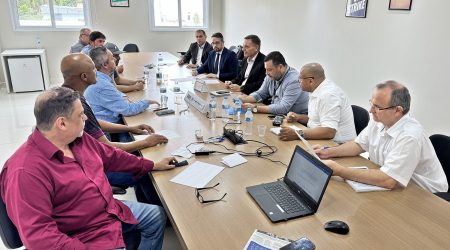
x: 255, y: 109
x: 300, y: 132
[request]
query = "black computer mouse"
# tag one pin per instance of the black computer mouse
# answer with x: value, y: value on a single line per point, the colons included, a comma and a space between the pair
x: 337, y: 226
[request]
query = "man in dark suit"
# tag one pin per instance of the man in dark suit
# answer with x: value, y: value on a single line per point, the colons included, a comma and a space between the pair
x: 252, y: 71
x: 201, y: 46
x: 221, y: 63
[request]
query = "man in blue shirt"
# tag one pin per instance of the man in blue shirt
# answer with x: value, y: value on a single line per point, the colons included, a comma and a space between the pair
x: 281, y: 85
x: 106, y: 101
x: 221, y: 63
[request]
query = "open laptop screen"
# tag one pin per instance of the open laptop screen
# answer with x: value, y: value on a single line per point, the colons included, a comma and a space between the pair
x: 307, y: 173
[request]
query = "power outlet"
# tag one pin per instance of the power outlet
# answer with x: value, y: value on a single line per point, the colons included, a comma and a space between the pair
x: 38, y: 42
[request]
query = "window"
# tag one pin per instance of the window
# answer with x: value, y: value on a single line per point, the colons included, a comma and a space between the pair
x: 166, y: 15
x: 50, y: 14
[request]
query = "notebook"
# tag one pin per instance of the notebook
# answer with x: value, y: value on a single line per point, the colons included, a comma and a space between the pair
x: 299, y: 193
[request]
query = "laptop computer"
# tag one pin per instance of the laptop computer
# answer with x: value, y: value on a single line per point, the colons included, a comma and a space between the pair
x: 299, y: 193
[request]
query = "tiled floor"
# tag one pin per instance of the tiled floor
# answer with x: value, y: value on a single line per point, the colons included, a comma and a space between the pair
x: 16, y: 123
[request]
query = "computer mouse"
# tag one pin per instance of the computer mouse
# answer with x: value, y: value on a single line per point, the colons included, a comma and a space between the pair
x: 337, y: 226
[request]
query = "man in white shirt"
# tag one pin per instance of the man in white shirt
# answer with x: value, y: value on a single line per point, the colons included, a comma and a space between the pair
x: 395, y: 141
x: 330, y: 114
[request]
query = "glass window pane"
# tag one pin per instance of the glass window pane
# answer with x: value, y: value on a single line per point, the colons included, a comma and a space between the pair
x: 166, y: 13
x: 69, y: 13
x: 33, y: 13
x: 192, y: 13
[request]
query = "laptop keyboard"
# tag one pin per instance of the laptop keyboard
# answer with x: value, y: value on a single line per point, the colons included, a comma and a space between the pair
x: 284, y: 198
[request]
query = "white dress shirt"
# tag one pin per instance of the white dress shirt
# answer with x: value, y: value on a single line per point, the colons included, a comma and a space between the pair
x: 404, y: 152
x: 199, y: 54
x: 250, y: 62
x: 329, y: 107
x: 219, y: 54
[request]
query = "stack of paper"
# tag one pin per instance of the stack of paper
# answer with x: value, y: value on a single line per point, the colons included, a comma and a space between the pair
x: 167, y: 133
x: 362, y: 187
x: 197, y: 175
x: 233, y: 160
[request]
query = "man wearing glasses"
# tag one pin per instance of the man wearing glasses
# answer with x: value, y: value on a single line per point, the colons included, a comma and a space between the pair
x: 83, y: 40
x: 330, y: 114
x: 395, y: 141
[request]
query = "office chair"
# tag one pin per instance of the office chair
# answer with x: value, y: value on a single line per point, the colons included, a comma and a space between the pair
x: 8, y: 231
x: 131, y: 47
x: 441, y: 144
x: 361, y: 118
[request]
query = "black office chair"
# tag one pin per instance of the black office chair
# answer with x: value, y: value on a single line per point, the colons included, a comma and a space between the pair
x: 8, y: 231
x: 441, y: 144
x: 131, y: 47
x: 361, y: 118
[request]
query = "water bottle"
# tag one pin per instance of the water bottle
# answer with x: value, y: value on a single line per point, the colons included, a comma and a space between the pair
x: 238, y: 104
x: 232, y: 110
x: 225, y: 107
x: 162, y: 88
x: 146, y: 74
x: 248, y: 122
x: 212, y: 108
x: 160, y: 59
x: 158, y: 76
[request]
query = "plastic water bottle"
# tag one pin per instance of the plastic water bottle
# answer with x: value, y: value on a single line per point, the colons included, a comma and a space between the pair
x: 238, y: 104
x: 248, y: 122
x: 225, y: 107
x: 212, y: 108
x: 176, y: 87
x: 146, y: 74
x: 158, y: 76
x: 232, y: 110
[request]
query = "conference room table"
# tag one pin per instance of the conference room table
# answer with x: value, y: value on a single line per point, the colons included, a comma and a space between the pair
x: 409, y: 218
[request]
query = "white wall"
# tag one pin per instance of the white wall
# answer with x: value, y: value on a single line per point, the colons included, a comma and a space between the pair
x: 409, y: 46
x: 120, y: 25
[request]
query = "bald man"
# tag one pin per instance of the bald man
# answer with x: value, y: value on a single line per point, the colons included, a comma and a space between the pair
x: 330, y: 114
x: 79, y: 72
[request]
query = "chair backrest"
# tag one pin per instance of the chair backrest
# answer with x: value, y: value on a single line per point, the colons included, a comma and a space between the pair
x: 441, y: 144
x: 361, y: 118
x: 131, y: 47
x: 8, y: 231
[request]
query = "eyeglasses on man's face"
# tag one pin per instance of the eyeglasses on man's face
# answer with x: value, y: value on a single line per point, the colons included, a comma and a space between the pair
x: 203, y: 200
x: 378, y: 108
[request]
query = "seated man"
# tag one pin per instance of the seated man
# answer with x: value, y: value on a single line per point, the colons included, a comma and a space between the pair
x: 55, y: 189
x: 116, y: 53
x: 83, y: 40
x: 281, y: 85
x: 79, y: 72
x: 252, y: 71
x: 395, y: 141
x: 197, y: 52
x: 123, y: 84
x: 106, y: 101
x: 221, y: 63
x: 96, y: 39
x: 330, y: 114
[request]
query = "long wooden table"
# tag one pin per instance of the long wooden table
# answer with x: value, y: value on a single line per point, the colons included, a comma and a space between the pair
x: 400, y: 219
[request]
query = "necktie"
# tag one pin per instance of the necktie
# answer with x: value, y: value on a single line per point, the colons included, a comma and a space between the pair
x: 216, y: 63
